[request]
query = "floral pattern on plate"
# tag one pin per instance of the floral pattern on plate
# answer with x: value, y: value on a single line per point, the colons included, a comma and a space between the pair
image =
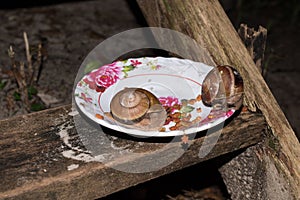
x: 176, y: 82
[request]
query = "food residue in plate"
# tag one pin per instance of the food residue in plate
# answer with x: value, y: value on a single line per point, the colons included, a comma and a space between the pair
x: 179, y: 114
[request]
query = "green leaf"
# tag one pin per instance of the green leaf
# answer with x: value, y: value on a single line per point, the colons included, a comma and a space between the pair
x: 37, y: 107
x: 17, y: 96
x: 2, y: 84
x: 91, y: 66
x: 128, y: 68
x: 186, y: 109
x: 125, y: 74
x: 32, y: 90
x: 154, y: 67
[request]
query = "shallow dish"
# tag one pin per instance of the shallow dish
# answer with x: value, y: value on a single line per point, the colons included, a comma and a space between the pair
x: 176, y: 82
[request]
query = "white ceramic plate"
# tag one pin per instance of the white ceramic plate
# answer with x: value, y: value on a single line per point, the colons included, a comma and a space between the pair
x: 176, y: 82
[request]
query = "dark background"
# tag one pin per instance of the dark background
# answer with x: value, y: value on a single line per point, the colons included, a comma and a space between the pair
x: 282, y: 55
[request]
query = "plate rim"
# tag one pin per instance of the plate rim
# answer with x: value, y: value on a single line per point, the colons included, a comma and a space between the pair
x: 142, y: 133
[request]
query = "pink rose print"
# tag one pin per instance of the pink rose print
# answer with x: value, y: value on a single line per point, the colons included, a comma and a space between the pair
x: 169, y: 101
x: 102, y: 78
x: 229, y: 113
x: 105, y: 80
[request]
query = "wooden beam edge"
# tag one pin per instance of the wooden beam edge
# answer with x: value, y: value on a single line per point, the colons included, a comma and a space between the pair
x: 94, y: 180
x: 209, y: 25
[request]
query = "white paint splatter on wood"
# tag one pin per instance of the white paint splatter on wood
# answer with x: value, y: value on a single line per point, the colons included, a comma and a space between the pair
x: 72, y: 167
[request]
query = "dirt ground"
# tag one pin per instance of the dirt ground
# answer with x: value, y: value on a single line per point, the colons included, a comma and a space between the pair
x: 69, y: 30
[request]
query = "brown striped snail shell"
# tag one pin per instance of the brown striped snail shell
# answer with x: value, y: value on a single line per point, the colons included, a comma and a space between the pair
x: 137, y: 106
x: 223, y: 85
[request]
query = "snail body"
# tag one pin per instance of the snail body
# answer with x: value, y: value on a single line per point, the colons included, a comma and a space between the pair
x: 223, y: 85
x: 139, y: 108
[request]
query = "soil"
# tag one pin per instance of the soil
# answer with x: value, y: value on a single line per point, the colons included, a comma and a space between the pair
x: 70, y: 30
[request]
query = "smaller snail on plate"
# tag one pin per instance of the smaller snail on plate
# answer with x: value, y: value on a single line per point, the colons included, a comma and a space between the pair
x: 138, y: 108
x: 223, y: 88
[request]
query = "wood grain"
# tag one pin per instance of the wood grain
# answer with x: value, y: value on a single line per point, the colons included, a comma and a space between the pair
x: 208, y: 24
x: 255, y: 42
x: 33, y: 163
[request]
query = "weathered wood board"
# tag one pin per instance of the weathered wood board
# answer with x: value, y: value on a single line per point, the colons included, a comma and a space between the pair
x: 208, y: 24
x: 43, y: 157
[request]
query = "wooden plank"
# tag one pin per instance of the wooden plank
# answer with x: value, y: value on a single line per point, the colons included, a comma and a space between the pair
x: 35, y: 163
x: 254, y: 170
x: 253, y: 174
x: 255, y: 42
x: 208, y: 24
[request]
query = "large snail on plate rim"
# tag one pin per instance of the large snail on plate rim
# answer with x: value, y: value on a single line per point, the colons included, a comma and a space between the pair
x: 223, y: 88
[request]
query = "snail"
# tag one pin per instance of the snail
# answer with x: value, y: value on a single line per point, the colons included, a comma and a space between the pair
x: 223, y: 87
x: 139, y: 108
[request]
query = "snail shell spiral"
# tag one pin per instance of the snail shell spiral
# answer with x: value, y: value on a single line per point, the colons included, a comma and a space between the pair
x: 223, y: 85
x: 137, y: 106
